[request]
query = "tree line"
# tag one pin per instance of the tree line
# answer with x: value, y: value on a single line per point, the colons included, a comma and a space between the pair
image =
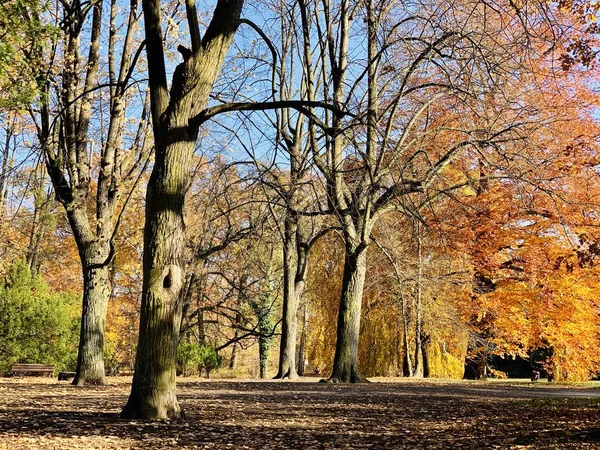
x: 416, y: 181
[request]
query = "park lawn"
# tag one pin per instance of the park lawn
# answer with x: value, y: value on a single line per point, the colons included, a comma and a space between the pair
x: 41, y: 413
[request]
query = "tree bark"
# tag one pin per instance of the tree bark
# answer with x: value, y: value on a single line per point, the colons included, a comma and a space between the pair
x: 407, y: 369
x: 345, y: 365
x: 418, y: 369
x: 90, y: 358
x: 303, y: 337
x: 153, y: 390
x: 295, y: 260
x: 95, y: 256
x: 263, y: 352
x: 234, y: 349
x: 425, y: 348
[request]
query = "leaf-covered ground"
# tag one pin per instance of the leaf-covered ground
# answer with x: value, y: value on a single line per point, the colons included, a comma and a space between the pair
x: 43, y: 413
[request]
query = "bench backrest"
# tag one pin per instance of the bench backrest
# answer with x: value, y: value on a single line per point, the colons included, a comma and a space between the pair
x: 21, y: 367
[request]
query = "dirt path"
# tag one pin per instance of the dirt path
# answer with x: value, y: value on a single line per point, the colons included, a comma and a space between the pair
x: 41, y: 413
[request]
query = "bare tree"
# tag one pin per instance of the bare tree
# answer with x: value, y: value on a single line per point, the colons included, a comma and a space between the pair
x: 78, y: 146
x: 153, y: 390
x: 417, y: 77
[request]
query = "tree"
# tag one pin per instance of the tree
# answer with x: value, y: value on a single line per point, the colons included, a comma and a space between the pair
x: 38, y: 326
x: 153, y: 391
x: 23, y: 35
x: 410, y: 66
x: 68, y: 86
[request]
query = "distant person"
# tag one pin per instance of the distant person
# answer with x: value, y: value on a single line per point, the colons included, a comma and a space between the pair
x: 535, y: 375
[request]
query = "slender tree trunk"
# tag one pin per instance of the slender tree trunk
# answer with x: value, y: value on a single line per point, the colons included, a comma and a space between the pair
x: 35, y: 241
x: 407, y: 368
x: 425, y: 347
x: 201, y: 329
x: 263, y: 352
x: 293, y: 285
x: 233, y: 360
x: 418, y: 369
x: 303, y: 337
x: 6, y: 165
x: 345, y: 365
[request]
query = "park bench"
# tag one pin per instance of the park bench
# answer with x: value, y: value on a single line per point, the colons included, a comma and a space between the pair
x: 32, y: 369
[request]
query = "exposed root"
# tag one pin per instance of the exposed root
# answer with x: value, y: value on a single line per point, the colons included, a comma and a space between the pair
x: 289, y: 375
x: 354, y: 378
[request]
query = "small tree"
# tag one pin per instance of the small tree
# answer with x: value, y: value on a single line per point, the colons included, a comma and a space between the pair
x: 36, y: 325
x: 209, y: 359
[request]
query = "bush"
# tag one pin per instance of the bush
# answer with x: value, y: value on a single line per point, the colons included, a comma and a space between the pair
x: 194, y: 359
x: 188, y: 357
x: 209, y: 359
x: 36, y: 325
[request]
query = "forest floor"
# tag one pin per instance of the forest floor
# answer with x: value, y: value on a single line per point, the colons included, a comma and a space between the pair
x: 42, y: 413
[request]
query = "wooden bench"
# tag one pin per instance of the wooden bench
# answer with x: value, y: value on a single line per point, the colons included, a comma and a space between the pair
x: 32, y: 369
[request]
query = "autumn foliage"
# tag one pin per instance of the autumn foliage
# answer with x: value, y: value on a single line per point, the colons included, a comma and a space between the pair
x: 495, y: 254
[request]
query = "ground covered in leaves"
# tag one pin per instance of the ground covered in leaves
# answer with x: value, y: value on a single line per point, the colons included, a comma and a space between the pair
x: 47, y: 414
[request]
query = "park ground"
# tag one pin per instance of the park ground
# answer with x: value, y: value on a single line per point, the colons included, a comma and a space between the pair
x: 42, y: 413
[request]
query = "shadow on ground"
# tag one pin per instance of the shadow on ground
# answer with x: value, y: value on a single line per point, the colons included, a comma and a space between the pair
x: 303, y: 415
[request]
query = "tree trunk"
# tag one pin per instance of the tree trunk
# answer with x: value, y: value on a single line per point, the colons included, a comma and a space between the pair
x: 407, y: 368
x: 418, y: 369
x: 153, y: 391
x: 238, y: 323
x: 35, y: 240
x: 233, y: 360
x: 293, y: 285
x: 96, y: 294
x: 302, y: 350
x: 345, y: 365
x: 263, y: 352
x: 201, y: 329
x: 425, y: 347
x: 6, y: 162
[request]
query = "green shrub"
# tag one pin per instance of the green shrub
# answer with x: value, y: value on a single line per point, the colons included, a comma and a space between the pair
x: 188, y: 358
x: 36, y: 325
x: 194, y: 359
x: 209, y: 359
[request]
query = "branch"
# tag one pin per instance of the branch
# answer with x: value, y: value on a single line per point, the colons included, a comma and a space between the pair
x: 272, y: 48
x: 301, y: 106
x: 192, y: 17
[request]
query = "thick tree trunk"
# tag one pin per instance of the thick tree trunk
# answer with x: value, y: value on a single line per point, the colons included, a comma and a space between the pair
x: 345, y: 365
x: 96, y: 294
x: 153, y: 391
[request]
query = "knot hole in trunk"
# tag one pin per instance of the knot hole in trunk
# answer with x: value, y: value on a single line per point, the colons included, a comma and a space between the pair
x: 167, y: 282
